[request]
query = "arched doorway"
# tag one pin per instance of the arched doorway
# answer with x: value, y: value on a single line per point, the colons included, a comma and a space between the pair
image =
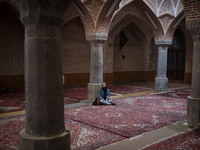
x: 176, y: 57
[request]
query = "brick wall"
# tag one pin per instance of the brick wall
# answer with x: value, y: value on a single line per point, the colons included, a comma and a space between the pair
x: 192, y: 9
x: 75, y: 49
x: 75, y: 54
x: 128, y: 64
x: 108, y: 56
x: 128, y: 58
x: 11, y: 49
x: 11, y: 45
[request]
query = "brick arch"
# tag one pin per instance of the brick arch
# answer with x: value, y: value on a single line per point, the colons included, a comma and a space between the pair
x: 189, y: 48
x: 189, y: 52
x: 105, y: 16
x: 173, y: 26
x: 70, y: 14
x: 86, y: 17
x: 136, y: 8
x: 127, y: 20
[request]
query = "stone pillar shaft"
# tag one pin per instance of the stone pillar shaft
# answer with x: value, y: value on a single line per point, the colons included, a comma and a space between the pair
x: 193, y: 110
x: 162, y: 61
x: 161, y: 81
x: 96, y: 62
x: 195, y: 92
x: 45, y: 127
x: 43, y: 81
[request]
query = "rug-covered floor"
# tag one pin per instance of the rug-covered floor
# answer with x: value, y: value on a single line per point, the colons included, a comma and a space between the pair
x: 12, y: 101
x: 15, y: 101
x: 185, y: 141
x: 82, y: 136
x: 178, y: 93
x: 132, y: 115
x: 95, y: 126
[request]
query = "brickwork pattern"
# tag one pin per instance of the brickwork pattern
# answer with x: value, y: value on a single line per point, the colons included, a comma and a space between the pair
x: 11, y: 45
x: 71, y: 13
x: 191, y: 9
x: 128, y: 58
x: 87, y: 20
x: 108, y: 57
x: 104, y: 22
x: 91, y: 4
x: 75, y: 49
x: 136, y: 9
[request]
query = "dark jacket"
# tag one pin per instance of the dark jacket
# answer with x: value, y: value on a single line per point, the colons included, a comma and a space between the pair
x: 101, y: 94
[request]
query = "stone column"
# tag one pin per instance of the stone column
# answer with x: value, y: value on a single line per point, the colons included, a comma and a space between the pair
x: 161, y: 81
x: 45, y: 128
x: 193, y: 110
x: 96, y: 64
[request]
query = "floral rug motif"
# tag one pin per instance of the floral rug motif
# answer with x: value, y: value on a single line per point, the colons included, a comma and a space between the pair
x: 82, y: 136
x: 131, y: 116
x: 95, y: 126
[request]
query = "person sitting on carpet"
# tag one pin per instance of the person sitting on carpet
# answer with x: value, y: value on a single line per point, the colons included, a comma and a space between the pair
x: 104, y: 95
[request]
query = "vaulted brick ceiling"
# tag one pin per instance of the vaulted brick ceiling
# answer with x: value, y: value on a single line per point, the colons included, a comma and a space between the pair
x: 163, y: 7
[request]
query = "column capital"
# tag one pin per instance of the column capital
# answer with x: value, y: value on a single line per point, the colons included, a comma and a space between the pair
x: 194, y: 28
x: 98, y: 37
x: 163, y: 42
x: 47, y: 12
x: 163, y: 48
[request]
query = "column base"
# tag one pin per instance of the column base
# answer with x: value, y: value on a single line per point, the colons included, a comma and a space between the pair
x: 193, y: 111
x: 161, y: 84
x: 28, y: 142
x: 93, y: 90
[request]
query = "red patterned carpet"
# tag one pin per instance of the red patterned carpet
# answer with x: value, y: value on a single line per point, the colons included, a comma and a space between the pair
x: 131, y: 116
x: 12, y: 101
x: 186, y: 141
x: 76, y: 93
x: 124, y: 89
x: 15, y: 101
x: 95, y: 126
x: 82, y: 136
x: 178, y: 93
